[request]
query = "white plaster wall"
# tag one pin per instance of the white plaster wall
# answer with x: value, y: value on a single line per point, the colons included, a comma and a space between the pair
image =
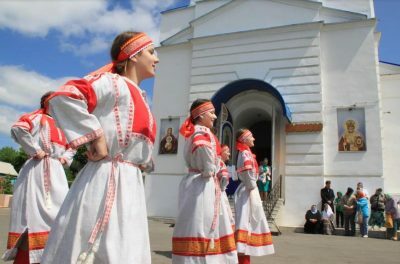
x: 162, y: 195
x: 264, y: 14
x: 300, y: 194
x: 350, y: 78
x: 170, y: 97
x: 174, y: 21
x: 288, y: 59
x: 358, y: 6
x: 171, y: 86
x: 390, y: 87
x: 204, y: 7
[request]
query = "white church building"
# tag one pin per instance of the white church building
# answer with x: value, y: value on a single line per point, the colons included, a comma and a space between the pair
x: 303, y: 75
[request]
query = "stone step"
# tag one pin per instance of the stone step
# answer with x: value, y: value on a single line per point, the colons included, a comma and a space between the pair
x: 380, y: 234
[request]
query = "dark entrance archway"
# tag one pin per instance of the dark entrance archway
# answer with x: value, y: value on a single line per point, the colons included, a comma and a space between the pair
x: 224, y: 94
x: 262, y: 132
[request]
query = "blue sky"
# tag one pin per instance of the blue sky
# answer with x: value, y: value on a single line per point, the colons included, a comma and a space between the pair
x: 44, y: 43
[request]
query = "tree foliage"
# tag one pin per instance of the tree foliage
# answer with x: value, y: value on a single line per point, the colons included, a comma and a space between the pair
x: 6, y: 186
x: 18, y: 157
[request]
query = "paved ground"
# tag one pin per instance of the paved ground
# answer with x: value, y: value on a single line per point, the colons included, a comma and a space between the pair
x: 290, y: 247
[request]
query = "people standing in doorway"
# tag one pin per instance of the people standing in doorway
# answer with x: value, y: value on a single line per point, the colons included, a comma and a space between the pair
x: 103, y: 218
x: 253, y: 237
x: 203, y: 231
x: 41, y: 185
x: 377, y: 202
x: 264, y: 179
x: 327, y: 196
x: 349, y: 211
x: 339, y: 210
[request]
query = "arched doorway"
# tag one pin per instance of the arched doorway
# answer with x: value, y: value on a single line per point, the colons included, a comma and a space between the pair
x: 256, y: 105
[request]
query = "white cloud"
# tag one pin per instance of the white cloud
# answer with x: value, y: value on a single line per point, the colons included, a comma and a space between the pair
x: 37, y: 17
x: 8, y: 116
x: 19, y: 87
x: 95, y: 22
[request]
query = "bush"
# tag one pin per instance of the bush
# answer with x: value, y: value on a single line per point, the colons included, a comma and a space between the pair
x: 6, y: 185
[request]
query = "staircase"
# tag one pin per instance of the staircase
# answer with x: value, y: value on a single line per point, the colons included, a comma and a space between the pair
x: 274, y: 215
x: 272, y: 206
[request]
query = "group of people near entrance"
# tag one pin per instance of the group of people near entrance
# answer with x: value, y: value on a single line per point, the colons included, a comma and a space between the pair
x: 381, y: 210
x: 102, y: 218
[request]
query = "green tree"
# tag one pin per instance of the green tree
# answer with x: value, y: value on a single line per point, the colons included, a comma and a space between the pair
x: 19, y: 161
x: 8, y: 154
x: 77, y: 164
x: 16, y: 157
x: 6, y: 184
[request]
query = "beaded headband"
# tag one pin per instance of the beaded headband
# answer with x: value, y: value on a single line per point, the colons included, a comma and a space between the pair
x: 133, y: 46
x: 246, y: 135
x: 201, y: 109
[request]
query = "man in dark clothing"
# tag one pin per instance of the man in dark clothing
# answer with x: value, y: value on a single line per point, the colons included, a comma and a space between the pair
x: 327, y: 196
x: 349, y: 205
x: 377, y: 209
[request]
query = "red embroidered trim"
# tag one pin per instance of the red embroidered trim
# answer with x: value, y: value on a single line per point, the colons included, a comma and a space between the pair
x: 86, y: 138
x: 254, y: 239
x: 303, y: 127
x: 123, y: 142
x: 200, y: 247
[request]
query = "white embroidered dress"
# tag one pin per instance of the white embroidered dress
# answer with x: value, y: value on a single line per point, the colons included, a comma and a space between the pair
x: 103, y: 218
x: 203, y: 231
x: 41, y: 185
x: 223, y: 176
x: 252, y: 234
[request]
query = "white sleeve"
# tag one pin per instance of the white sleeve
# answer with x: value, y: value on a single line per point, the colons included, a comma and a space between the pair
x: 73, y: 117
x: 22, y: 132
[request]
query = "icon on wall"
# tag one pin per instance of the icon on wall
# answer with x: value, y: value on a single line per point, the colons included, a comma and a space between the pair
x: 169, y: 132
x: 351, y: 129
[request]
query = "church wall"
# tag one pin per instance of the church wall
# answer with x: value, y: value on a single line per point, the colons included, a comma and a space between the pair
x: 203, y: 7
x: 314, y: 72
x: 174, y: 21
x: 170, y: 94
x: 264, y: 14
x: 390, y: 85
x: 359, y: 6
x: 350, y: 79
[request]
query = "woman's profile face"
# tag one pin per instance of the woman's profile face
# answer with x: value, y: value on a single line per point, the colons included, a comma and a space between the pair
x: 146, y: 62
x: 225, y: 154
x: 207, y: 119
x: 250, y: 141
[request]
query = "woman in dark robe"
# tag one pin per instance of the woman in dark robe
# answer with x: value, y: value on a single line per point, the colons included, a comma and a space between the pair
x: 313, y: 221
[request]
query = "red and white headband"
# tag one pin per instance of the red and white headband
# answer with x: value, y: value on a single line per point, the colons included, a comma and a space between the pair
x: 201, y: 109
x: 130, y: 48
x: 245, y: 136
x: 133, y: 46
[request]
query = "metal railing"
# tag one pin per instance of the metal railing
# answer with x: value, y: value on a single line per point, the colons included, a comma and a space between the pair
x: 272, y: 199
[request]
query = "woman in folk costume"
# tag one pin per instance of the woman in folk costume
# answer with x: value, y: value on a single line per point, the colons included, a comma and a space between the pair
x: 41, y: 185
x: 103, y: 218
x: 253, y: 237
x: 203, y: 231
x: 223, y: 176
